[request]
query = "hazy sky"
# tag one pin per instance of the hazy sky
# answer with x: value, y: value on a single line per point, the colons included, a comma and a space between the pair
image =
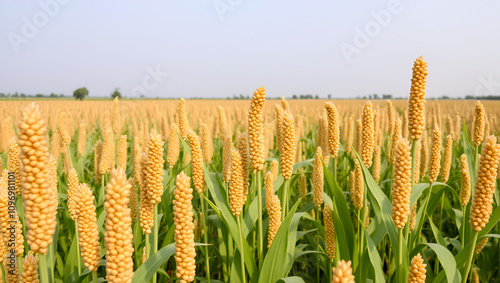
x: 217, y: 48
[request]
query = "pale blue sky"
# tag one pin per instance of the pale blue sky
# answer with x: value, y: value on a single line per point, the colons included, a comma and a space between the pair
x: 292, y: 47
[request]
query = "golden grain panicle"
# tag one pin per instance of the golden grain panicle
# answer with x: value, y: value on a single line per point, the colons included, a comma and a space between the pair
x: 118, y: 236
x: 173, y: 146
x: 333, y: 129
x: 368, y: 135
x: 38, y: 197
x: 478, y: 124
x: 416, y: 119
x: 287, y: 156
x: 183, y: 120
x: 73, y: 184
x: 122, y: 152
x: 196, y: 162
x: 465, y: 181
x: 206, y: 143
x: 256, y: 130
x: 417, y: 270
x: 243, y: 150
x: 273, y: 207
x: 88, y: 233
x: 30, y: 269
x: 154, y: 169
x: 329, y: 232
x: 481, y: 207
x: 343, y: 272
x: 318, y: 177
x: 184, y: 229
x: 15, y: 164
x: 402, y: 184
x: 435, y: 156
x: 446, y: 166
x: 359, y: 186
x: 236, y: 198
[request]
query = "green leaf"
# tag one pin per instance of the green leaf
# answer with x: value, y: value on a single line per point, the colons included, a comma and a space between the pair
x: 292, y: 279
x: 280, y: 254
x: 446, y: 260
x: 375, y: 260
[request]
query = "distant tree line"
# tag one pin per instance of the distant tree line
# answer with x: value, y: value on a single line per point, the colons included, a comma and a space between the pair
x: 16, y: 94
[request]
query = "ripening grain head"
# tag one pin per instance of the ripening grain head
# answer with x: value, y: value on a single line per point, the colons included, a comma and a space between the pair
x: 256, y: 130
x: 184, y: 229
x: 402, y: 184
x: 333, y: 129
x: 482, y: 199
x: 465, y: 181
x: 416, y: 121
x: 196, y: 162
x: 417, y: 270
x: 287, y: 146
x: 39, y: 208
x: 435, y: 156
x: 478, y: 124
x: 318, y: 177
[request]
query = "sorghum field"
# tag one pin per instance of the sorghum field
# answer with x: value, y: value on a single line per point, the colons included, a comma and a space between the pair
x: 251, y: 191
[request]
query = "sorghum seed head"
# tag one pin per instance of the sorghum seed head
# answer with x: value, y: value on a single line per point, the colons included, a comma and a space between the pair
x: 196, y: 162
x: 73, y: 184
x: 287, y: 146
x: 480, y: 245
x: 222, y: 121
x: 329, y: 232
x: 116, y: 116
x: 227, y: 146
x: 475, y: 276
x: 279, y: 122
x: 38, y: 196
x: 256, y: 130
x: 416, y: 122
x: 390, y: 116
x: 376, y: 164
x: 343, y: 272
x: 417, y: 270
x: 424, y: 155
x: 154, y: 169
x: 273, y: 207
x: 30, y: 269
x: 173, y: 146
x: 274, y: 169
x: 243, y: 150
x: 435, y: 156
x: 478, y: 124
x: 333, y: 129
x: 81, y: 138
x: 402, y: 184
x: 118, y: 236
x: 61, y: 126
x: 368, y: 135
x: 90, y: 247
x: 350, y: 135
x: 318, y: 177
x: 448, y: 149
x: 481, y: 207
x: 183, y: 120
x: 236, y: 200
x: 184, y: 229
x: 465, y: 181
x: 108, y: 152
x: 122, y: 152
x: 97, y: 159
x: 397, y: 134
x: 146, y: 206
x: 133, y: 200
x: 359, y: 186
x: 206, y: 144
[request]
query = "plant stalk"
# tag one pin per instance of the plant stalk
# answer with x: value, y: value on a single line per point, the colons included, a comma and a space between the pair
x: 94, y: 276
x: 243, y: 274
x: 2, y: 268
x: 43, y: 269
x: 78, y: 249
x: 400, y: 256
x: 154, y: 247
x: 205, y: 238
x: 469, y: 257
x: 463, y: 226
x: 259, y: 202
x: 285, y: 199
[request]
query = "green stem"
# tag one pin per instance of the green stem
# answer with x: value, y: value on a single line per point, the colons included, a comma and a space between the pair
x: 469, y: 258
x: 400, y: 255
x: 317, y: 244
x: 78, y: 249
x: 334, y: 170
x: 147, y: 246
x: 463, y: 226
x: 2, y: 268
x: 154, y: 246
x: 205, y: 238
x: 243, y: 274
x: 43, y: 269
x: 285, y: 199
x: 20, y: 263
x: 94, y: 276
x: 259, y: 202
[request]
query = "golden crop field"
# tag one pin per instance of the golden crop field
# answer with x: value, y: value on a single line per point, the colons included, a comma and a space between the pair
x: 250, y: 191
